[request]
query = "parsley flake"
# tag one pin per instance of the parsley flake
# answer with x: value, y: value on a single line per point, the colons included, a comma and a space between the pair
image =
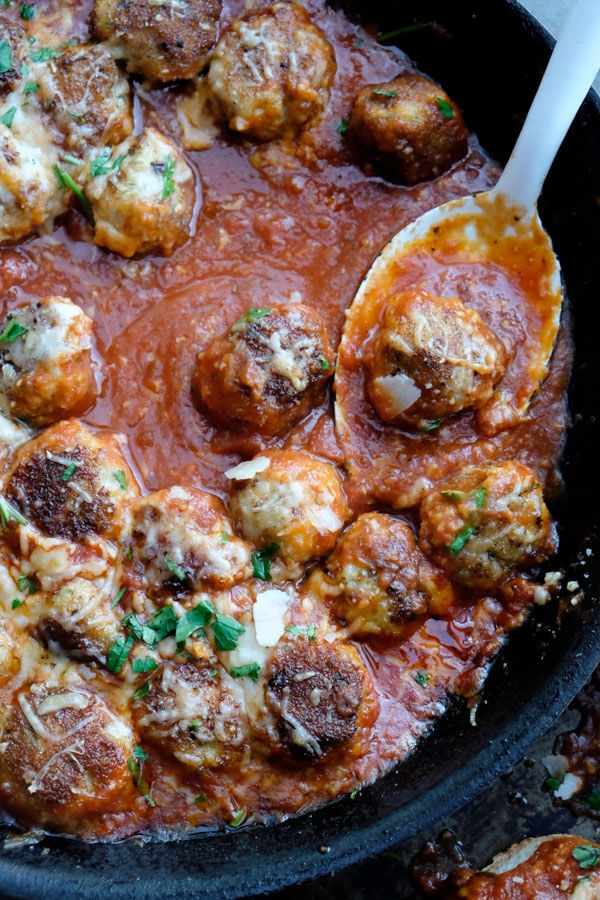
x: 253, y: 314
x: 120, y: 478
x: 27, y: 584
x: 479, y: 496
x: 99, y: 165
x: 433, y: 425
x: 310, y: 631
x: 31, y: 87
x: 145, y: 664
x: 342, y: 127
x: 12, y: 331
x: 168, y: 183
x: 422, y: 677
x: 68, y: 471
x: 76, y: 117
x: 162, y: 623
x: 461, y: 539
x: 5, y: 57
x: 196, y: 618
x: 118, y: 653
x: 25, y: 70
x: 177, y: 572
x: 27, y: 11
x: 200, y: 799
x: 238, y: 818
x: 455, y: 496
x: 117, y: 598
x: 139, y: 753
x: 7, y: 512
x: 359, y: 42
x: 324, y: 362
x: 16, y: 603
x: 43, y: 55
x: 354, y: 793
x: 586, y: 856
x: 445, y: 108
x: 592, y: 800
x: 383, y: 93
x: 555, y: 781
x: 261, y: 561
x: 142, y: 691
x: 8, y: 117
x: 65, y: 181
x: 250, y: 669
x: 140, y: 783
x: 129, y: 553
x: 227, y: 632
x: 224, y: 537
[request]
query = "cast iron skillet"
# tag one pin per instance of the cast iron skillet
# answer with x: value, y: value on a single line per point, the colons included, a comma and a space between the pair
x: 489, y: 56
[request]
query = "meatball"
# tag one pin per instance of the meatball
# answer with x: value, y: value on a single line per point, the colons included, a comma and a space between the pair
x: 45, y: 360
x: 486, y: 523
x: 293, y: 507
x: 408, y: 128
x: 79, y: 618
x: 143, y: 202
x: 29, y: 191
x: 68, y: 483
x: 380, y: 579
x: 432, y: 357
x: 319, y: 694
x: 64, y: 756
x: 184, y: 540
x: 268, y: 370
x: 160, y: 39
x: 192, y: 712
x: 14, y: 49
x: 271, y: 72
x: 87, y: 97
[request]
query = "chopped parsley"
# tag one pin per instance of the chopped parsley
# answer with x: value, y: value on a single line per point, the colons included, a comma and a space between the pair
x: 168, y: 183
x: 455, y: 496
x: 422, y: 677
x: 162, y: 623
x: 140, y: 783
x: 324, y: 362
x: 7, y: 513
x: 142, y: 691
x: 200, y: 799
x: 120, y: 478
x: 359, y: 42
x: 76, y: 117
x: 383, y: 93
x: 26, y: 583
x: 227, y: 632
x: 193, y: 725
x: 117, y: 598
x: 139, y: 753
x: 147, y: 664
x: 25, y: 70
x: 12, y: 331
x: 118, y: 653
x: 461, y: 539
x: 309, y: 632
x: 433, y: 425
x: 44, y: 54
x: 418, y: 26
x: 238, y: 818
x: 250, y: 669
x: 586, y: 856
x: 213, y: 672
x: 253, y: 314
x: 555, y: 781
x: 31, y: 87
x: 479, y: 496
x: 196, y: 618
x: 342, y: 127
x: 5, y: 57
x: 27, y: 11
x: 99, y: 166
x: 592, y: 800
x: 129, y: 553
x: 261, y: 561
x: 68, y: 471
x: 8, y: 117
x: 224, y: 537
x: 445, y: 108
x: 177, y: 572
x: 16, y: 603
x: 65, y: 181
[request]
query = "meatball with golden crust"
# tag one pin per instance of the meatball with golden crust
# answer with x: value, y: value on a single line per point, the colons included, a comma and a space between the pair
x: 143, y: 199
x: 192, y: 712
x: 432, y: 358
x: 45, y: 360
x: 293, y: 508
x: 377, y: 579
x: 86, y: 96
x: 183, y: 540
x: 161, y: 39
x: 408, y: 128
x: 487, y: 523
x: 271, y: 72
x: 320, y: 693
x: 68, y: 483
x: 64, y: 756
x: 267, y: 371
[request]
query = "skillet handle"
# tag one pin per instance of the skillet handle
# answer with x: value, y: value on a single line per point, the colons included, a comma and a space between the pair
x: 567, y: 79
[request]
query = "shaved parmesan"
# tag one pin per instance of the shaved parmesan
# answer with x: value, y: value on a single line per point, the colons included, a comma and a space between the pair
x: 400, y: 390
x: 248, y: 469
x: 269, y: 611
x: 54, y: 702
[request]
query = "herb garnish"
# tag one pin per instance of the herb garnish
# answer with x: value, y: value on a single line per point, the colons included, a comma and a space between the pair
x: 455, y: 496
x: 196, y: 618
x: 586, y: 856
x: 592, y: 800
x: 44, y: 54
x: 5, y: 57
x: 238, y: 818
x: 7, y: 513
x: 65, y: 181
x: 142, y: 691
x: 359, y: 42
x: 68, y: 471
x: 8, y: 117
x: 253, y: 314
x: 354, y: 793
x: 118, y: 653
x: 250, y: 669
x: 139, y: 753
x: 261, y: 561
x: 147, y: 664
x: 75, y: 116
x: 98, y: 166
x: 324, y: 362
x: 12, y: 331
x: 418, y: 26
x: 27, y: 12
x: 168, y: 183
x: 140, y: 783
x: 433, y: 425
x: 422, y: 677
x: 200, y: 798
x: 224, y: 537
x: 342, y: 128
x: 31, y: 87
x: 118, y: 597
x: 16, y: 603
x: 298, y: 631
x: 445, y: 108
x: 26, y: 583
x: 120, y: 478
x: 227, y: 632
x: 129, y: 553
x: 555, y: 781
x: 177, y: 572
x: 384, y: 93
x: 461, y: 539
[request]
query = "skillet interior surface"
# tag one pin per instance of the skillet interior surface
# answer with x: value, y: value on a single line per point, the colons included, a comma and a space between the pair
x: 490, y: 58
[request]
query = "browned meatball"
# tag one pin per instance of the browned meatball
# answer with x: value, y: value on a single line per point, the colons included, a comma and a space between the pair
x: 486, y: 523
x: 45, y: 360
x: 320, y: 692
x: 68, y: 483
x: 87, y: 97
x: 432, y: 357
x: 408, y: 128
x: 268, y: 370
x: 161, y: 39
x: 293, y: 505
x: 192, y: 712
x: 184, y: 540
x: 64, y: 756
x: 378, y: 578
x: 271, y: 72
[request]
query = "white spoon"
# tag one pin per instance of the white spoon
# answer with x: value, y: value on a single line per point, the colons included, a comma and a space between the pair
x: 504, y: 221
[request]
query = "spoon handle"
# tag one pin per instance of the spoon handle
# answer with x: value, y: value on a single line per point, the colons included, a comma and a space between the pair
x: 567, y: 79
